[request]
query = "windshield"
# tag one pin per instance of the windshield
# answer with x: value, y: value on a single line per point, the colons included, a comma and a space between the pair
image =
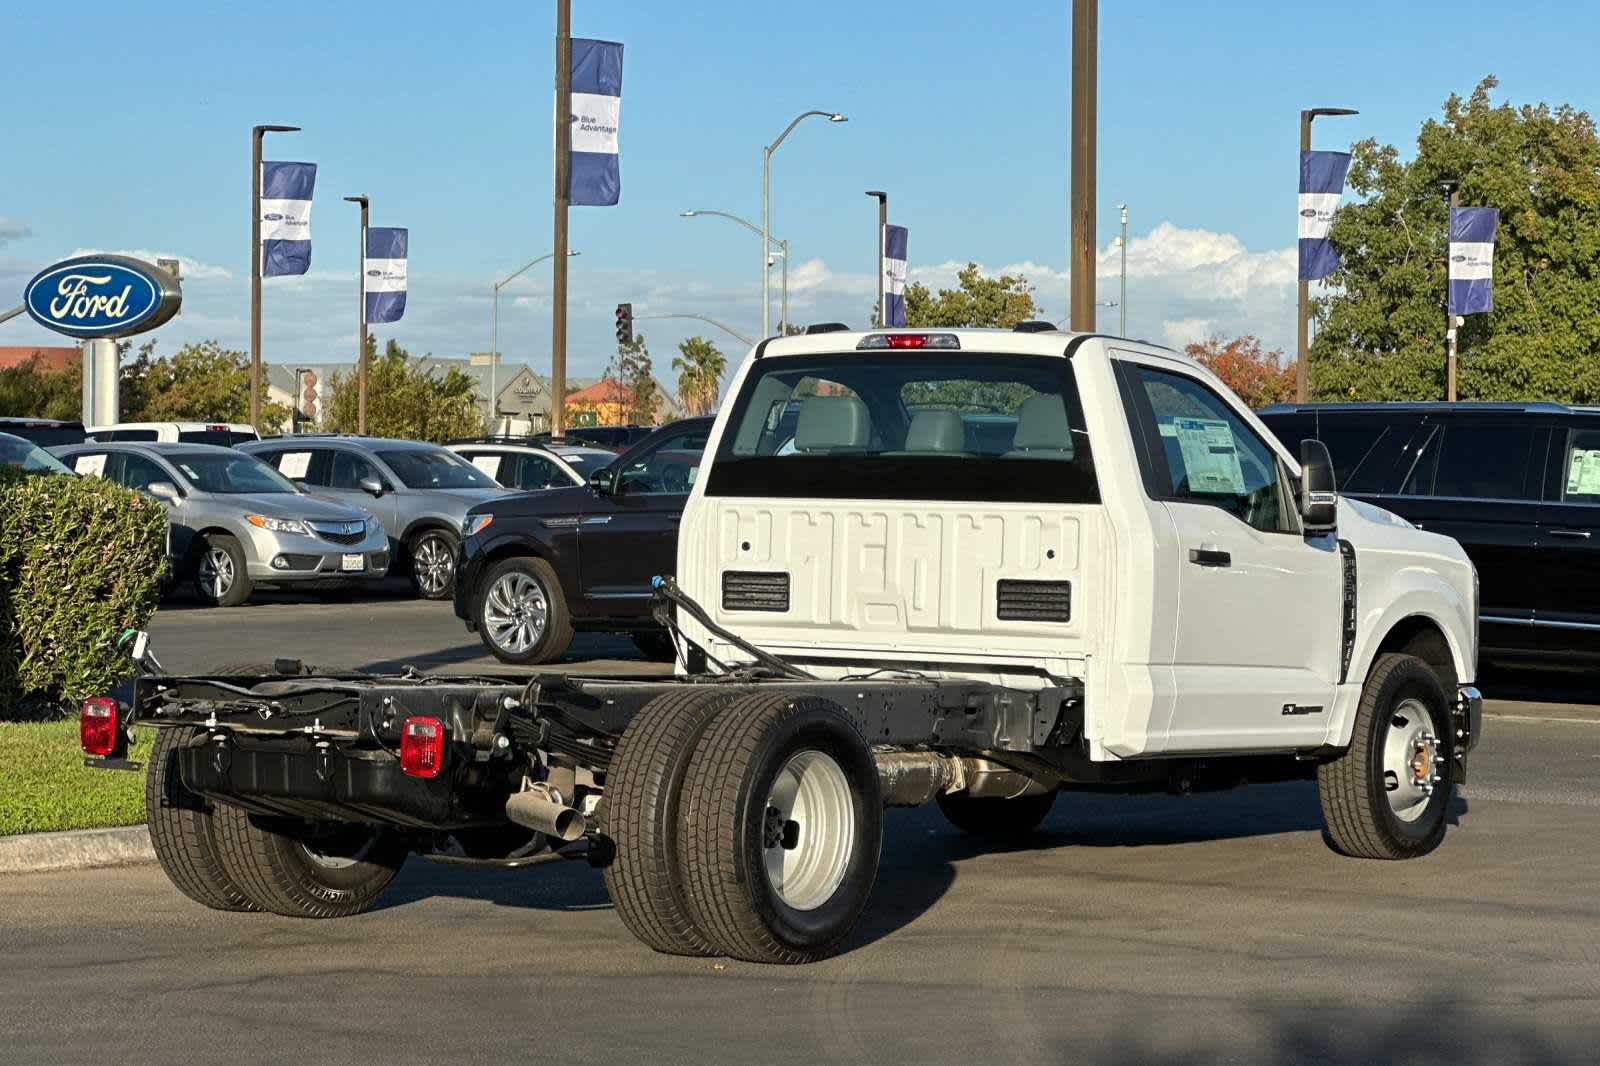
x: 230, y: 475
x: 419, y: 468
x: 18, y: 454
x: 908, y: 426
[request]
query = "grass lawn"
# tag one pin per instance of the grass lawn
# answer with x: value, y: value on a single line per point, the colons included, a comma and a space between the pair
x: 44, y: 785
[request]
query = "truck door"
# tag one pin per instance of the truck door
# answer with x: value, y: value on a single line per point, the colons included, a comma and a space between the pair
x: 631, y: 534
x: 1257, y: 649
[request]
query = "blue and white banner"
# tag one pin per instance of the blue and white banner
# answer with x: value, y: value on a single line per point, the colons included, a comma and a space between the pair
x: 595, y: 179
x: 1321, y: 184
x: 286, y: 217
x: 894, y: 275
x: 1472, y: 259
x: 383, y: 273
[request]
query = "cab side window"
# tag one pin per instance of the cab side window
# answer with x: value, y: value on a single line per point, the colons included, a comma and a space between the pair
x: 1203, y: 452
x: 1580, y: 470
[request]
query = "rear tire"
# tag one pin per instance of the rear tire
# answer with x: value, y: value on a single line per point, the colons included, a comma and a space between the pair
x: 183, y: 830
x: 640, y: 815
x: 522, y: 612
x: 220, y: 577
x: 781, y: 828
x: 301, y: 870
x: 1374, y: 800
x: 998, y: 819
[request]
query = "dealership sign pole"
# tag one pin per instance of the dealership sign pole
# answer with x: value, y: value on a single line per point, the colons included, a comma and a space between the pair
x: 99, y: 299
x: 256, y: 134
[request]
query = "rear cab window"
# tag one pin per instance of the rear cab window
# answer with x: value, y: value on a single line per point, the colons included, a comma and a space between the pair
x: 929, y: 425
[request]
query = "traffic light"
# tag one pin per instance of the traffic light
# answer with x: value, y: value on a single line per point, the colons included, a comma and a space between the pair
x: 624, y: 324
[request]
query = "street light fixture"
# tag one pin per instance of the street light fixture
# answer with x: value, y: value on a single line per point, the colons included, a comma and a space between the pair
x: 783, y: 251
x: 1302, y: 369
x: 494, y: 334
x: 702, y: 318
x: 766, y: 187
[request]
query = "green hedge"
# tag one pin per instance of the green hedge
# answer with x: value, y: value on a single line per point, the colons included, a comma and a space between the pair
x: 81, y: 560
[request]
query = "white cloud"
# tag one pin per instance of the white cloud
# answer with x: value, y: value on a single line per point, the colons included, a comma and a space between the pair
x: 191, y: 269
x: 12, y: 230
x: 1185, y: 330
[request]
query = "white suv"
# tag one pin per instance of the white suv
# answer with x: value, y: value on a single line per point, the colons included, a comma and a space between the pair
x: 225, y: 434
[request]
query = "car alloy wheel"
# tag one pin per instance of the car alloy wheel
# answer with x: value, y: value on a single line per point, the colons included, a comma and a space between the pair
x: 516, y: 612
x: 433, y: 564
x: 217, y: 574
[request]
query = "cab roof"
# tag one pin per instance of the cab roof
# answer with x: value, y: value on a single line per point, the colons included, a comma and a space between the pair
x: 1034, y: 341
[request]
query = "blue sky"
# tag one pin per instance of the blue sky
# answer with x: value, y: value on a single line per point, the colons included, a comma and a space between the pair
x: 129, y: 130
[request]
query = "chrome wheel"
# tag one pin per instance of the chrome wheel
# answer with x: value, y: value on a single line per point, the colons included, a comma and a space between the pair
x: 809, y: 831
x: 433, y: 564
x: 516, y: 612
x: 217, y: 573
x: 1411, y: 765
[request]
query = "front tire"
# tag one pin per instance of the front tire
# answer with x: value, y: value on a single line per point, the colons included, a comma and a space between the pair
x: 1388, y: 794
x: 433, y: 563
x: 522, y: 614
x: 308, y: 870
x: 781, y: 829
x: 220, y: 577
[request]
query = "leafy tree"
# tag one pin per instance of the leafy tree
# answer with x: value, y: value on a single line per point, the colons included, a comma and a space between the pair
x: 33, y: 391
x: 631, y: 368
x: 976, y: 300
x: 1381, y: 334
x: 1258, y: 377
x: 700, y: 366
x: 202, y: 382
x: 404, y: 399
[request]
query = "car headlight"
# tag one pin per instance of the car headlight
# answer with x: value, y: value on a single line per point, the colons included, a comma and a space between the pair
x: 477, y: 523
x: 278, y: 525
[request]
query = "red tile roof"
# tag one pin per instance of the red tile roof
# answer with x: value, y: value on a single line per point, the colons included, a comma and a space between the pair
x: 605, y: 390
x: 49, y: 358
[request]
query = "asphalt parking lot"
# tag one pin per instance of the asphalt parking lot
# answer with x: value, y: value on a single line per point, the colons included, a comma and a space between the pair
x: 1152, y: 929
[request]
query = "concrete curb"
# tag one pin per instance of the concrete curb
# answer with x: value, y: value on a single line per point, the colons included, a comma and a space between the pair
x: 1530, y: 711
x: 74, y: 850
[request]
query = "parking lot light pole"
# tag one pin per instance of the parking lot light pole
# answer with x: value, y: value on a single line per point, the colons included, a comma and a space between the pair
x: 494, y: 335
x: 361, y: 316
x: 1302, y: 368
x: 1122, y: 296
x: 766, y: 188
x: 782, y: 246
x: 256, y: 135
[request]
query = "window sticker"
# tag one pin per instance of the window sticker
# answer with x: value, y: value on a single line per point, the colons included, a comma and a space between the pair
x: 90, y: 465
x: 1210, y: 456
x: 1583, y: 472
x: 694, y: 472
x: 294, y: 464
x: 489, y: 464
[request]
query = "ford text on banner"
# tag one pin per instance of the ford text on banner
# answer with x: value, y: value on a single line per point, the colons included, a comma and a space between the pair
x: 286, y: 217
x: 894, y: 275
x: 1472, y: 259
x: 383, y: 273
x: 1321, y: 183
x: 596, y: 178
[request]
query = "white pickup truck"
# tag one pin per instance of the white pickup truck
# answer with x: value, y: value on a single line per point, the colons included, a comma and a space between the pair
x: 973, y: 567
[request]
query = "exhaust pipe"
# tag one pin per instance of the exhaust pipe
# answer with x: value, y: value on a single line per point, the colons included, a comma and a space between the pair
x: 540, y: 808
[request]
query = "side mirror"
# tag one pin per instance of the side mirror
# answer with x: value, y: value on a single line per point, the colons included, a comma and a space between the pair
x: 1319, y: 497
x: 604, y: 481
x: 164, y: 491
x: 371, y: 485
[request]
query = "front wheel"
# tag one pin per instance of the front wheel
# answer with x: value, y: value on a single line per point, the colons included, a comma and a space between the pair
x: 522, y: 615
x: 1388, y: 794
x: 220, y: 577
x: 433, y: 563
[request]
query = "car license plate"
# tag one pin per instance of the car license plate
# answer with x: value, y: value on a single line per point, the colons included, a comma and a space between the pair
x: 353, y: 562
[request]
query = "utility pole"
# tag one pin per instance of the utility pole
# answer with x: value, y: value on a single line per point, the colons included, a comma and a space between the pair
x: 1302, y: 365
x: 1122, y: 298
x: 1451, y: 322
x: 1085, y: 47
x: 883, y: 222
x: 361, y: 317
x: 563, y: 172
x: 256, y: 134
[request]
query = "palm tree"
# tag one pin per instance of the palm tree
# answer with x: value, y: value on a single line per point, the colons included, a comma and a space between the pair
x: 699, y: 366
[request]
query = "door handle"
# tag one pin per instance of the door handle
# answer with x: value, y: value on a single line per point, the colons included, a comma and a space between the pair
x: 1582, y: 534
x: 1209, y: 557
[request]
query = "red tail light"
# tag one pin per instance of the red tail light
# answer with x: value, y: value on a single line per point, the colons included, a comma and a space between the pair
x: 422, y: 747
x: 98, y: 732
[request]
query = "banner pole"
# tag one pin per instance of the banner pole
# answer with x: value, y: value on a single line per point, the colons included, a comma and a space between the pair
x: 563, y: 179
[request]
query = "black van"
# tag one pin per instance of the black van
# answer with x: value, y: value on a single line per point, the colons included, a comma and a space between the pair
x: 1517, y: 484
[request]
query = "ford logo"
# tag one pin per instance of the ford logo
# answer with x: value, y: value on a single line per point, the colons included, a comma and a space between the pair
x: 102, y: 296
x: 1309, y: 212
x: 374, y: 273
x: 1458, y: 259
x: 272, y: 216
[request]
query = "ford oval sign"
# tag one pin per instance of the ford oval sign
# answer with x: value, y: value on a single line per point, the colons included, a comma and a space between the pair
x: 102, y: 296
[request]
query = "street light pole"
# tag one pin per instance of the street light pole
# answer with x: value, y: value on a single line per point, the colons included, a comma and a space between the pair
x: 766, y: 230
x: 1302, y: 368
x: 1122, y: 298
x: 1085, y: 64
x: 558, y: 286
x: 783, y: 250
x: 702, y: 318
x: 256, y: 135
x: 494, y: 334
x: 361, y: 316
x: 883, y: 221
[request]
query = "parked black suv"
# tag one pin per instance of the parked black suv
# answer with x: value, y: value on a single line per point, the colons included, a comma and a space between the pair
x: 1517, y: 484
x: 536, y: 566
x: 45, y: 432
